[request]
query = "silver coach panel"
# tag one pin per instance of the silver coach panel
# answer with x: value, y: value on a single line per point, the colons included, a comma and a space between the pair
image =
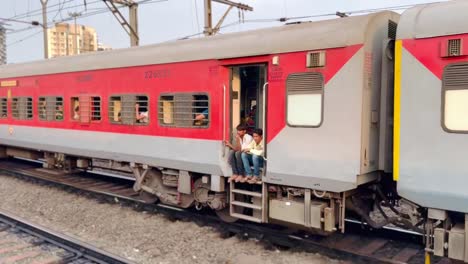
x: 432, y: 20
x: 331, y: 157
x: 433, y: 169
x: 306, y: 36
x: 154, y: 151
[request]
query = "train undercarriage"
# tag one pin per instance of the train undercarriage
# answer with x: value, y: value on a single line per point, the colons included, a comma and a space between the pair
x: 375, y: 204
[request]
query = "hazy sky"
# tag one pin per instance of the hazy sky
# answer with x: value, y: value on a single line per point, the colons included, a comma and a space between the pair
x: 163, y: 20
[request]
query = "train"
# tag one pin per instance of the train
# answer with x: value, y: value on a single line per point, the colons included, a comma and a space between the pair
x: 363, y: 116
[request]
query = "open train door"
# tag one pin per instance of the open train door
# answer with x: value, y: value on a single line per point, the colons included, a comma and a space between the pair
x: 247, y: 100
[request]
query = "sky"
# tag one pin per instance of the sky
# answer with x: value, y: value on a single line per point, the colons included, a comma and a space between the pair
x: 164, y: 20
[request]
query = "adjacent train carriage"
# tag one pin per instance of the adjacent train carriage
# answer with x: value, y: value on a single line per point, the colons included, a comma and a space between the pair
x: 431, y: 120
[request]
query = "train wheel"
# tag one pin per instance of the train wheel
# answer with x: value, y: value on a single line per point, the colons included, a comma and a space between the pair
x: 152, y: 182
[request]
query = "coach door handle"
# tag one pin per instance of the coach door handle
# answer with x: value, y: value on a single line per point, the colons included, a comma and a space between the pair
x: 224, y: 121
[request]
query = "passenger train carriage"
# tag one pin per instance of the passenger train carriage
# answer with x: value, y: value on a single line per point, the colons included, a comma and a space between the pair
x: 360, y: 114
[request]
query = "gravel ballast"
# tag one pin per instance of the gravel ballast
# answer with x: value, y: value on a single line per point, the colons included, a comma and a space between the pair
x: 139, y: 236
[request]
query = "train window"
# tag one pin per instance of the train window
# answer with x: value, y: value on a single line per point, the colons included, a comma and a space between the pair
x: 85, y: 108
x: 50, y: 108
x: 455, y: 98
x: 166, y: 110
x: 75, y: 108
x: 95, y: 108
x: 22, y: 108
x: 184, y: 110
x: 304, y: 104
x: 3, y: 108
x: 129, y: 109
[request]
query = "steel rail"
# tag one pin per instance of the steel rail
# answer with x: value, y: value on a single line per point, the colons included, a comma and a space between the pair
x: 80, y: 249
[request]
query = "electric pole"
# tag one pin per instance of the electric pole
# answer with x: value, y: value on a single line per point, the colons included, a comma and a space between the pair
x: 209, y: 30
x: 132, y: 27
x: 75, y: 39
x: 44, y: 27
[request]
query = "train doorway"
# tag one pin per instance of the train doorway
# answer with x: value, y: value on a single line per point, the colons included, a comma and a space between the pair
x: 247, y: 97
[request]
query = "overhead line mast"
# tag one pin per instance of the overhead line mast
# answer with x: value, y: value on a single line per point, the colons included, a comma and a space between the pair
x: 209, y: 30
x: 44, y: 27
x: 130, y: 27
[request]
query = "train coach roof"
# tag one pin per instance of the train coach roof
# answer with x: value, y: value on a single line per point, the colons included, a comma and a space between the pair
x: 432, y: 20
x: 299, y: 37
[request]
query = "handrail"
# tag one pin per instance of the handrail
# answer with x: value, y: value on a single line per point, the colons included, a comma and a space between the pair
x: 264, y: 116
x: 224, y: 120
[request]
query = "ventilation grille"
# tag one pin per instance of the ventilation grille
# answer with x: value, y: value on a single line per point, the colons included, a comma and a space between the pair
x: 456, y: 76
x: 316, y: 59
x: 454, y: 47
x: 303, y: 83
x: 392, y: 29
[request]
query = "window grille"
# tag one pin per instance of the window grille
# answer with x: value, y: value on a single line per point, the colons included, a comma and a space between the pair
x: 184, y: 110
x: 50, y: 108
x: 454, y: 47
x: 3, y: 108
x: 22, y: 108
x: 316, y: 59
x: 129, y: 109
x: 86, y: 108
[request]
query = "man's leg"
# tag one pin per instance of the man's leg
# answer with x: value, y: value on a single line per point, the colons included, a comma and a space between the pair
x: 246, y: 158
x: 232, y: 162
x: 239, y: 163
x: 257, y: 163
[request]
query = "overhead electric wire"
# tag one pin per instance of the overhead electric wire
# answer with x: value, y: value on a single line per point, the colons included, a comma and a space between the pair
x: 98, y: 11
x: 104, y: 10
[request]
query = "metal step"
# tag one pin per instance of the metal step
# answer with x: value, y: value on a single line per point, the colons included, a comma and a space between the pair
x: 254, y: 194
x: 247, y: 205
x: 247, y: 217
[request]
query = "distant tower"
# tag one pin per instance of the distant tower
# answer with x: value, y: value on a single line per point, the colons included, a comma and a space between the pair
x: 3, y: 58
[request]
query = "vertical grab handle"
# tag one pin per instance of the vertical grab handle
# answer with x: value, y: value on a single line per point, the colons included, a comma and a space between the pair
x: 264, y: 116
x: 224, y: 121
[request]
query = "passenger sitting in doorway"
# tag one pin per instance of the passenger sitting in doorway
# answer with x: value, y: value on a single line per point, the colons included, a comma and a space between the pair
x: 253, y: 154
x: 76, y: 113
x: 242, y: 141
x: 201, y: 118
x: 141, y: 117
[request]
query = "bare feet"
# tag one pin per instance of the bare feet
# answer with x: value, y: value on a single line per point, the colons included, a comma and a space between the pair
x: 233, y: 177
x: 248, y: 178
x: 239, y: 179
x: 253, y: 180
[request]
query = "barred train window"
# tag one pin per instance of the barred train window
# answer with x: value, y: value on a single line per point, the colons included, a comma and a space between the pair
x: 22, y: 108
x: 50, y: 108
x: 85, y: 108
x: 3, y: 108
x: 304, y: 99
x: 184, y: 110
x: 129, y: 109
x: 455, y: 97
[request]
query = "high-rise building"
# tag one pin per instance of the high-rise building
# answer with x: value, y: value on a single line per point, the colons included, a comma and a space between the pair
x: 67, y: 39
x: 3, y: 57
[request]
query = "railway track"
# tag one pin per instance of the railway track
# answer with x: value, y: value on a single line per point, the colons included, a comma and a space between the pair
x: 358, y: 245
x: 27, y: 243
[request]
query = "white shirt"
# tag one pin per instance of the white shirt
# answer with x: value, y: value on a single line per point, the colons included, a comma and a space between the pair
x: 246, y: 140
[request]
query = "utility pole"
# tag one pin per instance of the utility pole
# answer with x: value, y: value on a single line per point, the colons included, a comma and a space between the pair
x: 209, y: 30
x: 75, y: 39
x: 132, y: 27
x: 44, y: 27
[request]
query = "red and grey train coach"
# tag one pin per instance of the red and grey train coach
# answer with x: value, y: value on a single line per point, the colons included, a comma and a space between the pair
x: 334, y: 99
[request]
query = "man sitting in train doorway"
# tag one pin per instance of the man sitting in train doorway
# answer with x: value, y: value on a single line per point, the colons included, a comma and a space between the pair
x: 253, y: 154
x: 241, y: 141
